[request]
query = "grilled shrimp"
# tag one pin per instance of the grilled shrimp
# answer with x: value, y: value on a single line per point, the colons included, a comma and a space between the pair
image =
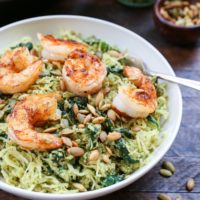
x: 139, y: 102
x: 57, y: 49
x: 83, y: 73
x: 18, y: 70
x: 32, y: 110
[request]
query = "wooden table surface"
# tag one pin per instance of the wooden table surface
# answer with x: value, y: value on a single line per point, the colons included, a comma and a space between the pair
x: 185, y: 152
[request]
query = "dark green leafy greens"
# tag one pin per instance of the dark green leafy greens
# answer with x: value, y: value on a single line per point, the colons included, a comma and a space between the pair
x: 112, y: 179
x: 97, y: 44
x: 46, y: 169
x: 61, y: 106
x: 125, y: 131
x: 29, y: 45
x: 93, y: 131
x: 81, y: 103
x: 108, y: 125
x: 3, y: 135
x: 120, y: 145
x: 152, y: 120
x: 115, y: 69
x: 57, y: 156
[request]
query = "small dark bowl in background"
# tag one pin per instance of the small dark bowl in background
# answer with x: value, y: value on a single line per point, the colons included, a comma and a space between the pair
x: 174, y: 33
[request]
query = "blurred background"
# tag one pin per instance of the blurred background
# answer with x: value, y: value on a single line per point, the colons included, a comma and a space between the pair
x: 137, y: 19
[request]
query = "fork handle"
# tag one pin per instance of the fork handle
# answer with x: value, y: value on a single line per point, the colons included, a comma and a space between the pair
x: 182, y: 81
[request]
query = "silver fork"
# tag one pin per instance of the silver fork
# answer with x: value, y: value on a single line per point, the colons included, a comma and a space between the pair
x: 182, y: 81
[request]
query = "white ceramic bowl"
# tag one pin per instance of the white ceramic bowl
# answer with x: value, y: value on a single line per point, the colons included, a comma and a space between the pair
x: 124, y: 39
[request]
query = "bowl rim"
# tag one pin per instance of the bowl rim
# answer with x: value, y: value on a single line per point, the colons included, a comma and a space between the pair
x: 138, y: 173
x: 157, y: 6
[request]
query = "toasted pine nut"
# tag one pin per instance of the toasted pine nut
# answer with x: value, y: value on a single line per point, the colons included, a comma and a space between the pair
x: 105, y: 107
x: 87, y: 118
x: 99, y: 98
x: 114, y: 136
x: 136, y: 128
x: 80, y: 187
x: 50, y: 130
x: 80, y: 117
x: 62, y: 85
x: 83, y: 111
x: 67, y: 141
x: 109, y: 151
x: 111, y: 115
x: 67, y: 132
x: 94, y: 155
x: 103, y: 136
x: 106, y: 159
x: 92, y: 109
x: 75, y: 151
x: 75, y: 109
x: 74, y: 144
x: 81, y: 126
x: 89, y: 97
x: 98, y: 120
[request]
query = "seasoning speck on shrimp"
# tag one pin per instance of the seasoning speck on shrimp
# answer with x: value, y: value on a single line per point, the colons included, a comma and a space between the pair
x: 83, y: 73
x: 139, y: 102
x: 58, y: 49
x: 18, y: 70
x: 30, y: 111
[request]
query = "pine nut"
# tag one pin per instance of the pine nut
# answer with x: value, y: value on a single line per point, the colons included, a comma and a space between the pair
x: 92, y: 109
x: 111, y: 115
x: 66, y: 132
x: 94, y: 155
x: 114, y: 136
x: 98, y: 120
x: 62, y: 85
x: 106, y: 159
x: 105, y: 107
x: 75, y: 151
x: 74, y: 144
x: 81, y: 126
x: 87, y: 119
x: 103, y: 136
x: 99, y: 98
x: 80, y: 117
x: 75, y: 109
x: 109, y: 151
x: 80, y: 187
x: 83, y: 111
x: 136, y: 128
x: 67, y: 141
x: 50, y: 130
